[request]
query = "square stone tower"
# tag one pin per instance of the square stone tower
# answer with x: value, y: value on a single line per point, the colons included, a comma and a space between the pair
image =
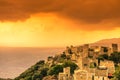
x: 67, y: 71
x: 85, y: 50
x: 114, y: 48
x: 65, y: 75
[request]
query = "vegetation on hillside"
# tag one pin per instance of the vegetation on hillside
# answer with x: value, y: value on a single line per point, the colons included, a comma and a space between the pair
x: 5, y: 79
x: 36, y: 72
x: 42, y: 69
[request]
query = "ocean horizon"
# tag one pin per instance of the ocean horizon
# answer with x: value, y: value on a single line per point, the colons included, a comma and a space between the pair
x: 15, y: 60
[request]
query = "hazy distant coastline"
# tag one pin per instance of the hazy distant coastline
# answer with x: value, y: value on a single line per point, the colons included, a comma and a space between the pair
x: 14, y: 60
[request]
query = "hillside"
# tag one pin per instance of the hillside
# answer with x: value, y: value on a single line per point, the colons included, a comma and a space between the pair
x: 49, y: 70
x: 107, y: 42
x: 35, y: 72
x: 5, y: 79
x: 43, y: 70
x: 113, y: 40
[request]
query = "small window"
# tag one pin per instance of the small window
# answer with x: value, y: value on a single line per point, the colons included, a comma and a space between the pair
x: 85, y: 64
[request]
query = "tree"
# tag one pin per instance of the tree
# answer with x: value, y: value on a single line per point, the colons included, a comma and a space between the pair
x: 37, y: 76
x: 44, y: 71
x: 28, y: 78
x: 99, y: 59
x: 117, y: 75
x: 63, y: 56
x: 105, y: 56
x: 41, y: 62
x: 55, y: 70
x: 70, y: 64
x: 115, y: 57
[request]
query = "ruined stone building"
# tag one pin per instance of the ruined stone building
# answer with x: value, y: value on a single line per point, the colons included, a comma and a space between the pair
x: 101, y: 73
x: 90, y: 51
x: 65, y: 75
x: 80, y: 75
x: 110, y: 66
x: 114, y: 48
x: 86, y: 73
x: 89, y: 67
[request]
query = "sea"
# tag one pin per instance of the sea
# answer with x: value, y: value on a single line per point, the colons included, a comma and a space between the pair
x: 15, y: 60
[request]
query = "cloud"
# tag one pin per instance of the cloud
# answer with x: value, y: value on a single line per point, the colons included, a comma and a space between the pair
x: 88, y: 11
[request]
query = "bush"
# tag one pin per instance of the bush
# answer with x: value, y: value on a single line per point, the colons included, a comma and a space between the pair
x: 41, y: 62
x: 93, y: 65
x: 70, y: 64
x: 55, y: 70
x: 44, y: 71
x: 105, y: 56
x: 115, y: 57
x: 117, y: 75
x: 63, y: 56
x: 37, y: 76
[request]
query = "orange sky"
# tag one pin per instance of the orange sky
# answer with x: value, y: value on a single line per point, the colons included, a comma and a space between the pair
x: 56, y: 23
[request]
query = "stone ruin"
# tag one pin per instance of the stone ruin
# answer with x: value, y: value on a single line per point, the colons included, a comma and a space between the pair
x: 114, y: 48
x: 110, y: 66
x: 81, y: 55
x: 101, y: 73
x: 80, y: 75
x: 84, y: 72
x: 65, y: 75
x: 89, y: 51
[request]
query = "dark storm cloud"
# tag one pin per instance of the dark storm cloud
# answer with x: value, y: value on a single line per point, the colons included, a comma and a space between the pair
x: 92, y: 11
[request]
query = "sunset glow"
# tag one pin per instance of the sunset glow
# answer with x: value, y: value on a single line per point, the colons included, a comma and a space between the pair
x: 46, y: 24
x: 34, y: 30
x: 48, y: 30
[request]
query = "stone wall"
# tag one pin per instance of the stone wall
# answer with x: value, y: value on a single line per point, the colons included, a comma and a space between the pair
x: 65, y: 75
x: 114, y: 48
x: 80, y: 75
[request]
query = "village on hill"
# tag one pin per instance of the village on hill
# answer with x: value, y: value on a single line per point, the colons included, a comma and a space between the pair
x: 84, y: 62
x: 89, y: 67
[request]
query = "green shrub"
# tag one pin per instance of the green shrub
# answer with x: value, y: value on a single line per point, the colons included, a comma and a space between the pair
x: 70, y: 64
x: 55, y: 70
